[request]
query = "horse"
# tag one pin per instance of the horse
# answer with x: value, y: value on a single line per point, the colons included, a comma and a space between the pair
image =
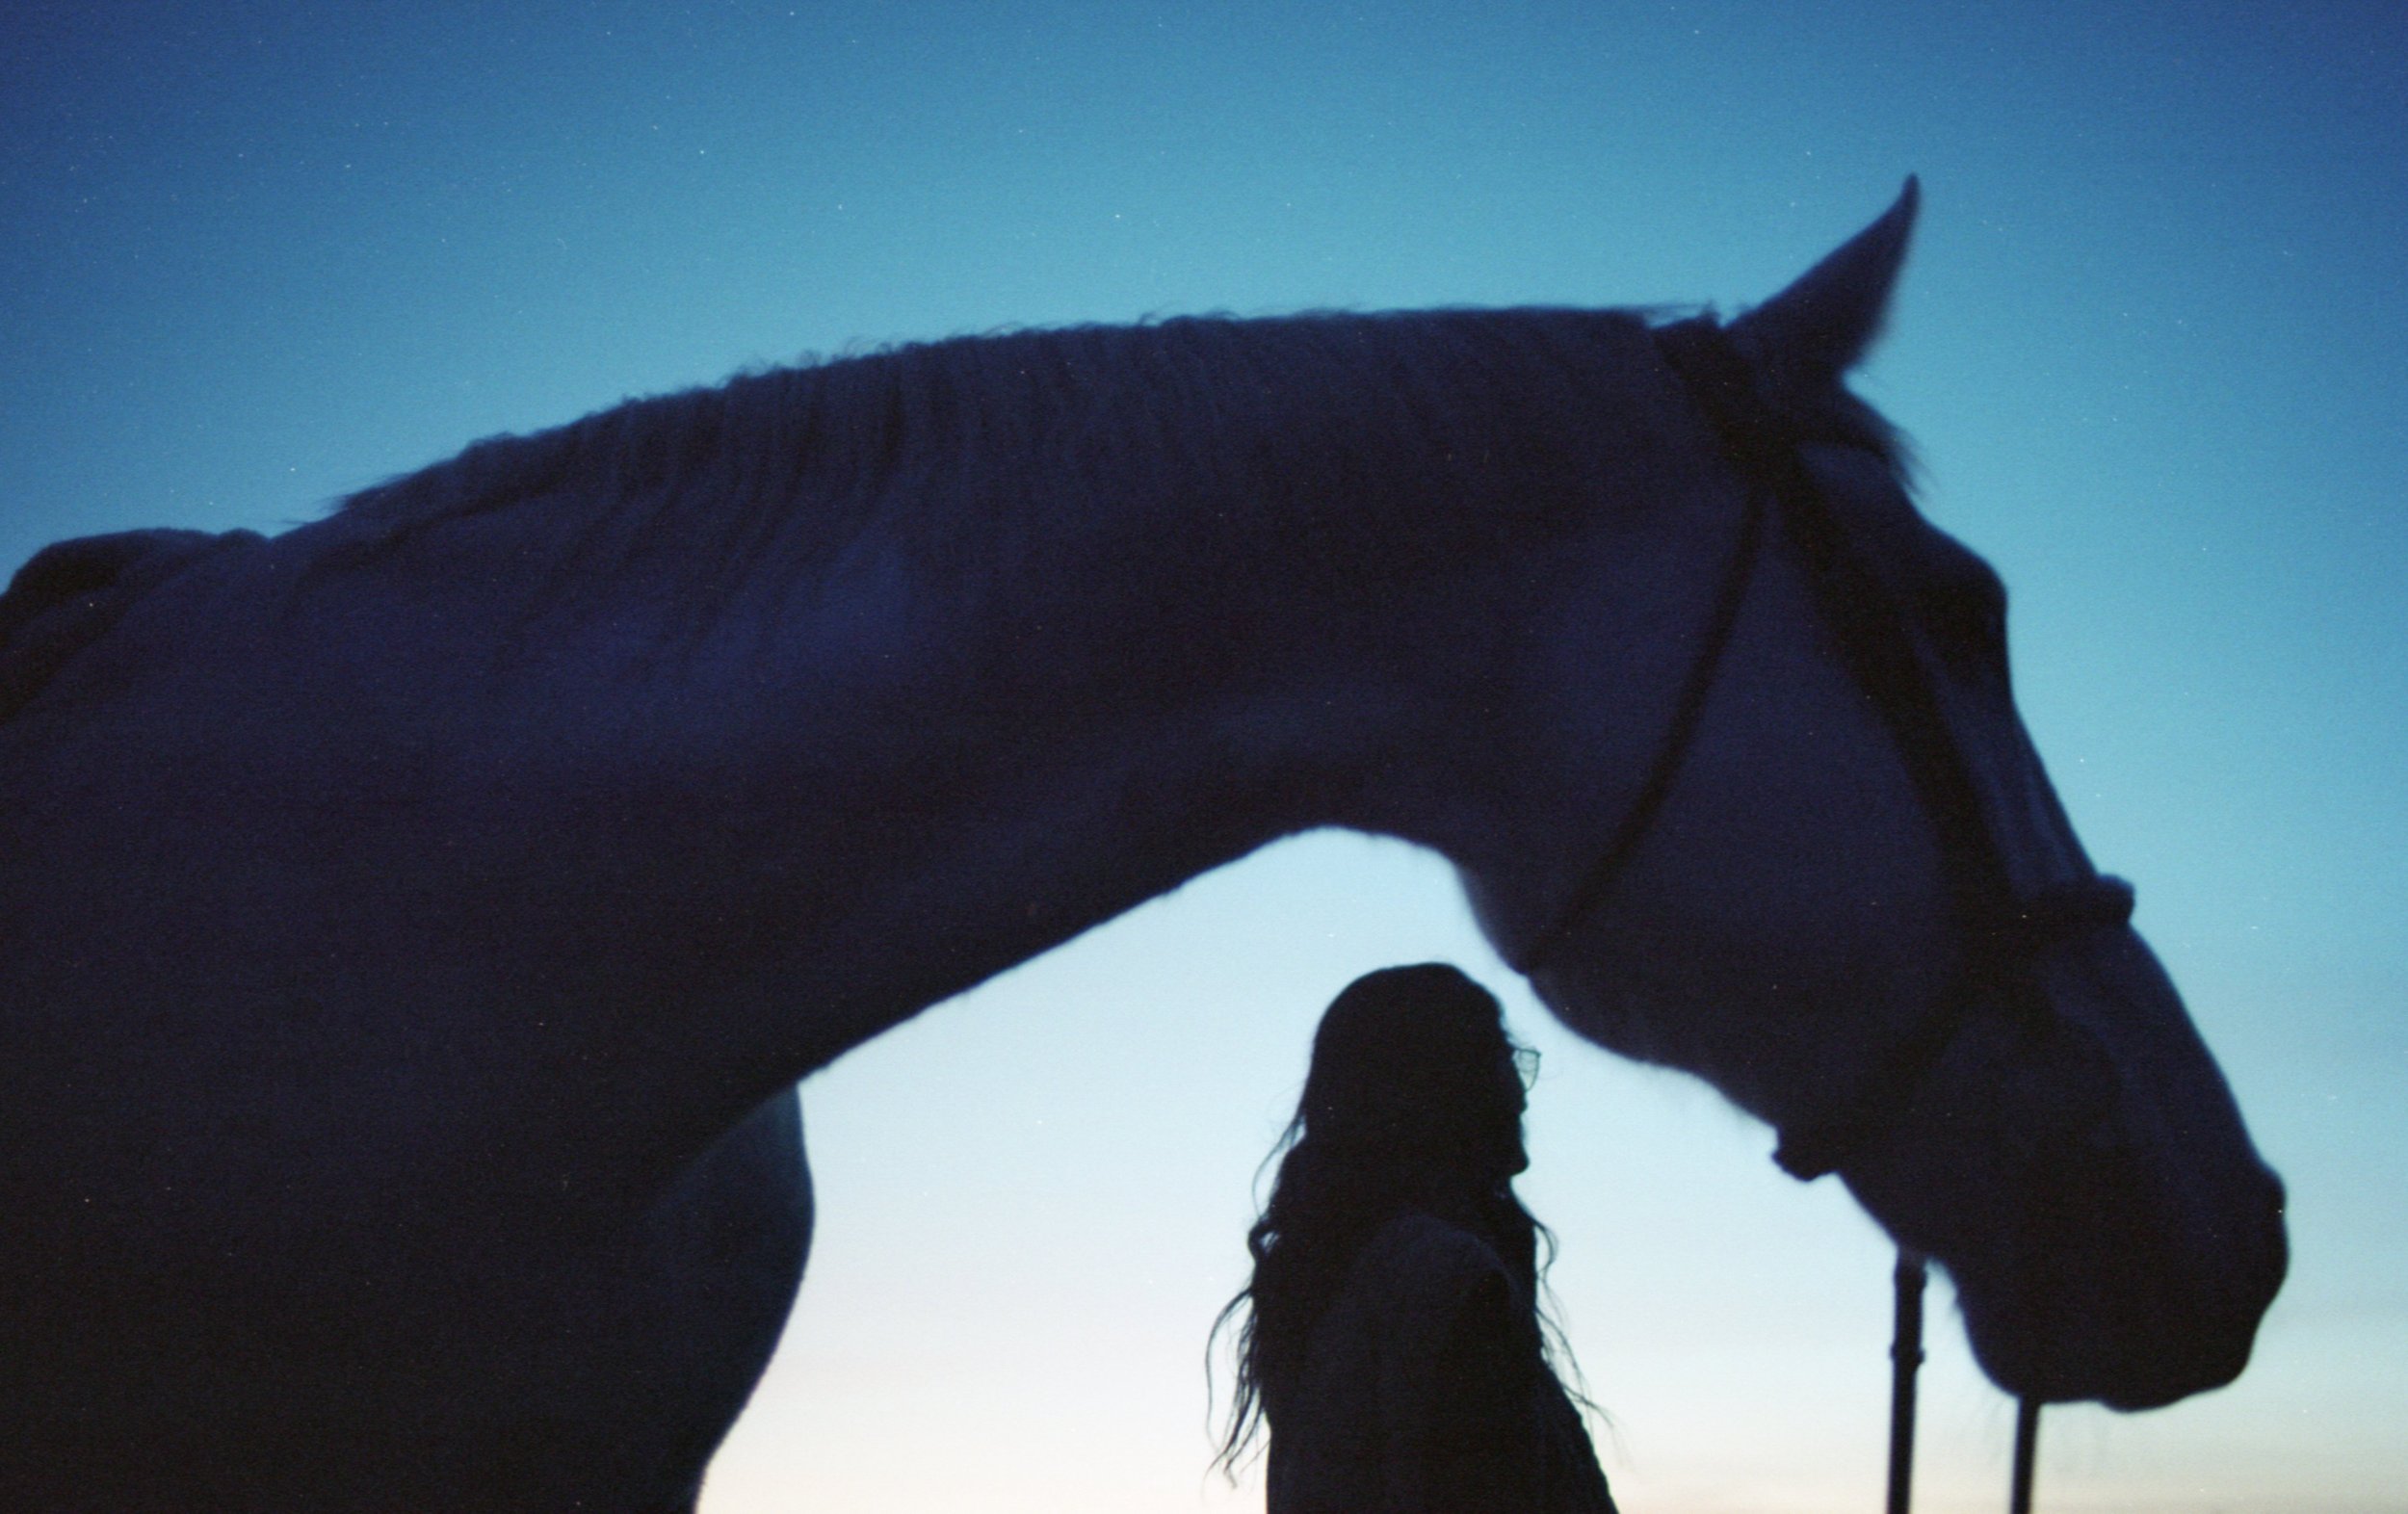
x: 418, y: 921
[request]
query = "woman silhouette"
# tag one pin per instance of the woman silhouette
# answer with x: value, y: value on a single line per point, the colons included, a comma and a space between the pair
x: 1392, y: 1341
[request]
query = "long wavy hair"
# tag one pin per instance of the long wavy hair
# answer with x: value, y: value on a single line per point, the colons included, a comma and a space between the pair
x: 1413, y: 1103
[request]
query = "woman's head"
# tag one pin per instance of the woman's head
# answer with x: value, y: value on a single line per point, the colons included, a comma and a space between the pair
x: 1412, y: 1069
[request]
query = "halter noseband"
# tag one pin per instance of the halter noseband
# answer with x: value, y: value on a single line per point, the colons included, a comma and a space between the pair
x: 2003, y: 935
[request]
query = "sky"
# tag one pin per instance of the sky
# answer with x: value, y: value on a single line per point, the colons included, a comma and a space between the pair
x: 2150, y: 342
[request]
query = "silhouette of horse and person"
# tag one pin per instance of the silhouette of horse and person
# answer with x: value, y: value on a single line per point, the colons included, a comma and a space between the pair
x: 417, y: 923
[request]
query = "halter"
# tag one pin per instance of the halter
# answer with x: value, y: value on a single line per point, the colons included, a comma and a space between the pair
x: 2003, y: 935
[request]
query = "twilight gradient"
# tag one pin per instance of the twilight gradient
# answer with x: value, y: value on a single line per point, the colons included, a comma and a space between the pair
x: 2152, y: 344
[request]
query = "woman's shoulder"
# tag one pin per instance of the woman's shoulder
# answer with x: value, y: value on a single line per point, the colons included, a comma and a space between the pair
x: 1420, y: 1261
x: 1418, y: 1235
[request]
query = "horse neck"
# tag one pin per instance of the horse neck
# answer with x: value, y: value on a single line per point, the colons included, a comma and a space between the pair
x: 947, y: 773
x: 978, y: 819
x: 1034, y: 689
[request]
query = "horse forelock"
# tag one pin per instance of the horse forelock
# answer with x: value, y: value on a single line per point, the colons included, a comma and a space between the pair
x: 979, y: 449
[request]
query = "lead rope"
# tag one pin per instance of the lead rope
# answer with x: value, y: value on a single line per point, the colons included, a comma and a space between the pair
x: 1906, y: 1354
x: 2026, y: 1447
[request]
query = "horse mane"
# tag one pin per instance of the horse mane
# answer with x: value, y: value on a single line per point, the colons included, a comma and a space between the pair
x: 976, y: 448
x: 1108, y: 412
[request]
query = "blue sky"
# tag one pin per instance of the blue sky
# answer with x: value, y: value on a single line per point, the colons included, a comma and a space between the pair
x: 2151, y: 344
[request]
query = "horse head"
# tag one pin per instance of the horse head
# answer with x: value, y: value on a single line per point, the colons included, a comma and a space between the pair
x: 1819, y: 864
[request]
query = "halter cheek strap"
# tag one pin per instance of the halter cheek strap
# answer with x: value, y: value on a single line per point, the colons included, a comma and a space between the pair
x: 1602, y: 875
x: 1719, y: 378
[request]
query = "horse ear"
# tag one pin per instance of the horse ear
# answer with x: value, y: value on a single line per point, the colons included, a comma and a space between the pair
x: 1817, y: 328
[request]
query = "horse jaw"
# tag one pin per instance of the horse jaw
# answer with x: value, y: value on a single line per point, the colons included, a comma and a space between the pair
x: 2111, y: 1232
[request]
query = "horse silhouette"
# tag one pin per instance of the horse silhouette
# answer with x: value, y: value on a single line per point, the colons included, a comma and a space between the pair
x: 417, y: 921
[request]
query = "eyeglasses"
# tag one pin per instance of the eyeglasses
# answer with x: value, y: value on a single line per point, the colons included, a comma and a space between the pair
x: 1526, y: 1066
